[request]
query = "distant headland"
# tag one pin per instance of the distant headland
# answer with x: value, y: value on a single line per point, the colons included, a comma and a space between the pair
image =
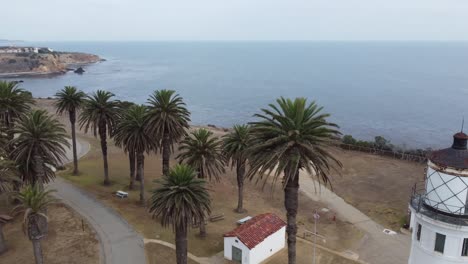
x: 29, y: 61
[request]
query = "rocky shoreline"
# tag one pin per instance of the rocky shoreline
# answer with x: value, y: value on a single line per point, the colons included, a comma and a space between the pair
x: 28, y: 64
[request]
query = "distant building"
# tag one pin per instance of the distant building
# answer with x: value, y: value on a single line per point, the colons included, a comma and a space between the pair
x: 255, y: 240
x: 13, y: 50
x: 439, y: 209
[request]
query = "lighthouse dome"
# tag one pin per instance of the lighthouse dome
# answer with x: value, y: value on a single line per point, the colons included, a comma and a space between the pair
x: 447, y: 177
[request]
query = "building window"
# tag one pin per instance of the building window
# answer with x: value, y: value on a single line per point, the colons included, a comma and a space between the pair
x: 465, y: 247
x: 418, y: 232
x: 439, y: 243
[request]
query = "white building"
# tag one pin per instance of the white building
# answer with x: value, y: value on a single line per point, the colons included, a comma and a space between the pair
x: 255, y: 240
x: 439, y: 211
x: 10, y: 50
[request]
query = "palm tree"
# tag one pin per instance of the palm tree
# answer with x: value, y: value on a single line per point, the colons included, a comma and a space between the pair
x: 235, y: 145
x: 70, y: 100
x: 123, y: 107
x: 289, y: 137
x: 180, y: 200
x: 202, y: 151
x: 131, y: 134
x: 14, y: 102
x: 168, y: 120
x: 100, y: 113
x: 8, y: 177
x: 33, y: 202
x: 40, y: 145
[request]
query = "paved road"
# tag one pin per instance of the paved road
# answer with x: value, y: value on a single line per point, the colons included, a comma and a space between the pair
x: 120, y: 243
x: 376, y: 247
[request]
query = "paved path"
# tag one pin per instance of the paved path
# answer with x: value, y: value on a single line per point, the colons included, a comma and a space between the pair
x: 376, y: 247
x: 120, y: 244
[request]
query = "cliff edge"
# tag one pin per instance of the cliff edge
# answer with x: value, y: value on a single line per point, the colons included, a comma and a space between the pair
x: 32, y: 63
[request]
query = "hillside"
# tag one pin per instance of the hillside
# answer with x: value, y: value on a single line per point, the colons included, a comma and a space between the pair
x: 16, y: 64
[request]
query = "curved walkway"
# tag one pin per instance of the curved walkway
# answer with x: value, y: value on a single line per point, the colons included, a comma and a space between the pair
x: 120, y: 243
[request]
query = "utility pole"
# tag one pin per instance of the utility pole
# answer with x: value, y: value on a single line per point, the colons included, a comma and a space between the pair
x: 316, y: 218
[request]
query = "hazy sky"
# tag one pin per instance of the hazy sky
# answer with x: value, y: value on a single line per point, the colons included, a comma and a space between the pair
x: 234, y: 19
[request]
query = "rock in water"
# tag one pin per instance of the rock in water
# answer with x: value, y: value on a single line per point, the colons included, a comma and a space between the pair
x: 79, y: 70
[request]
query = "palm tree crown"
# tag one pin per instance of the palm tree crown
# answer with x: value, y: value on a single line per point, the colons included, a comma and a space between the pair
x: 14, y: 102
x: 292, y: 136
x: 236, y: 143
x: 99, y: 111
x: 39, y: 135
x: 168, y: 114
x: 69, y: 100
x: 132, y: 133
x: 181, y: 199
x: 202, y: 151
x: 168, y: 120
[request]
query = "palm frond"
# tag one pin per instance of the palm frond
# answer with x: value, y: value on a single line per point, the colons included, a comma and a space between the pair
x: 290, y: 136
x: 180, y: 198
x: 203, y: 151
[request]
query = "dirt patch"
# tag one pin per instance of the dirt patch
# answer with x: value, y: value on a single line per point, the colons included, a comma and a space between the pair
x: 69, y: 240
x: 159, y: 254
x: 378, y: 186
x: 305, y: 256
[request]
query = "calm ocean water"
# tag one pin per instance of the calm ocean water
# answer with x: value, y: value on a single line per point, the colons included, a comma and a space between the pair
x: 415, y: 94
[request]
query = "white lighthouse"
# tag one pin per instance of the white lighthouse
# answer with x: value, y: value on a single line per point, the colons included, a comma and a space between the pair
x: 439, y: 210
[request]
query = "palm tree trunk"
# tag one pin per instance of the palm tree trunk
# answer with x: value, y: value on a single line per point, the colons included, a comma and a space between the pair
x: 3, y: 247
x: 38, y: 170
x: 291, y: 202
x: 103, y: 136
x: 201, y: 175
x: 73, y: 130
x: 37, y: 251
x: 132, y: 159
x: 166, y: 153
x: 240, y: 185
x: 140, y: 173
x: 181, y: 244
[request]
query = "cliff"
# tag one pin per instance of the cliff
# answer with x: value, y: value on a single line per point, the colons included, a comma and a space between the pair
x: 17, y: 64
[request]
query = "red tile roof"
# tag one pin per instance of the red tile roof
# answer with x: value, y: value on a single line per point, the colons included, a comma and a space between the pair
x: 257, y: 229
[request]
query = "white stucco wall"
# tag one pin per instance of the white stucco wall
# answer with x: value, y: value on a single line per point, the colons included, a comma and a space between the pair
x: 422, y: 252
x: 446, y: 188
x: 272, y: 244
x: 231, y: 241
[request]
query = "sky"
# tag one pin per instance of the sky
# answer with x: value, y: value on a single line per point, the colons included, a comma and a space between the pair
x: 234, y: 20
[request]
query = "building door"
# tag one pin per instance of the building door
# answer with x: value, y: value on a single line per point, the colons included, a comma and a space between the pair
x: 236, y: 254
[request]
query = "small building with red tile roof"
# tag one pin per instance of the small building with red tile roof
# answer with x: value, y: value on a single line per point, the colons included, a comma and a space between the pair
x: 255, y: 240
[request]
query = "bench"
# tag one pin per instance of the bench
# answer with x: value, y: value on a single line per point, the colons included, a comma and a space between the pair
x: 215, y: 218
x: 121, y: 194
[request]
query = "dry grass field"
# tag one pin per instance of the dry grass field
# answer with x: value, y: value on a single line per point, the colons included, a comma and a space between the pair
x: 69, y: 240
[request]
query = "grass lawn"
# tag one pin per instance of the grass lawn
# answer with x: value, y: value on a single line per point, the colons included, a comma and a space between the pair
x: 340, y: 235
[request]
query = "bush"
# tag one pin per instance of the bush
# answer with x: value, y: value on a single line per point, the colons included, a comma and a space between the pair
x: 348, y: 139
x: 11, y: 61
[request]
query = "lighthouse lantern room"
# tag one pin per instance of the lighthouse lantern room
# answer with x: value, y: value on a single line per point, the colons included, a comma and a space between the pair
x: 439, y: 208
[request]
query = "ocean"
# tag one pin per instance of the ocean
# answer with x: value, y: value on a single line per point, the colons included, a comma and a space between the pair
x: 413, y: 93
